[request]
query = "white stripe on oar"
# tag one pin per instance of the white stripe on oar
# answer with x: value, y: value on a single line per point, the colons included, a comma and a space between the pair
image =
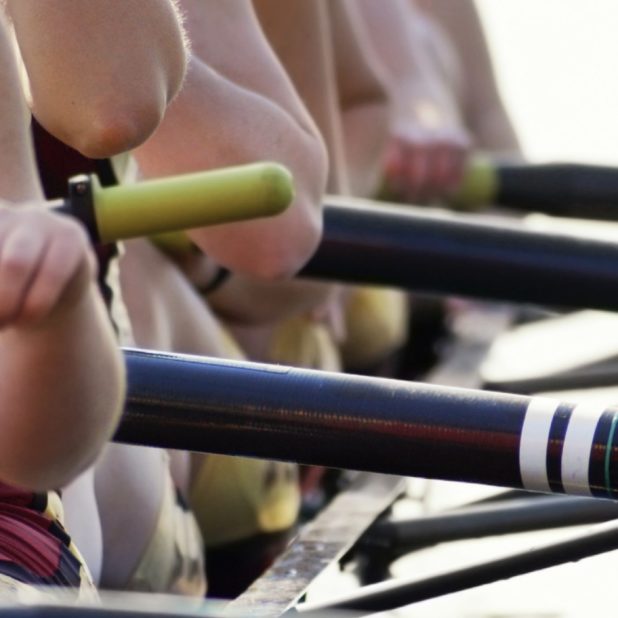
x: 578, y: 446
x: 533, y: 443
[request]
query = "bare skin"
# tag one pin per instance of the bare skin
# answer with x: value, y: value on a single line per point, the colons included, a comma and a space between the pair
x: 334, y: 73
x: 84, y: 89
x: 102, y: 90
x: 479, y: 97
x: 238, y: 100
x: 47, y: 296
x: 428, y: 139
x: 336, y: 77
x: 135, y: 475
x: 234, y: 108
x: 363, y: 102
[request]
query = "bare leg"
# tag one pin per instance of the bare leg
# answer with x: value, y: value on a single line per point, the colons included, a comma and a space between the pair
x: 166, y: 314
x: 82, y: 520
x: 129, y: 483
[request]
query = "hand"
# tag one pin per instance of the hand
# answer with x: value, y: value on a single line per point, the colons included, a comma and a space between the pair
x: 425, y: 164
x: 45, y: 262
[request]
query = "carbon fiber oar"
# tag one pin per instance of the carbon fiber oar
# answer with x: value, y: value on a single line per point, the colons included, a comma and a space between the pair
x: 463, y: 255
x: 178, y: 202
x: 395, y: 594
x: 399, y: 537
x: 372, y: 424
x: 597, y: 375
x: 562, y: 189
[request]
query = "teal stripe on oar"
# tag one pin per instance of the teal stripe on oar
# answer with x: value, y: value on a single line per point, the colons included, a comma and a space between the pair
x: 608, y: 456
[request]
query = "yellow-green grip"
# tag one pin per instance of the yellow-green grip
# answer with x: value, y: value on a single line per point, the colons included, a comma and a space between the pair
x: 477, y: 190
x: 191, y: 200
x: 479, y: 186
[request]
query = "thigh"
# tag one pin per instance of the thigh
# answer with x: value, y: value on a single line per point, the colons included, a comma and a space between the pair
x: 129, y: 485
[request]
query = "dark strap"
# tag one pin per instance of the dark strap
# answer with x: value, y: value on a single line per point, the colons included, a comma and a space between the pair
x: 58, y: 162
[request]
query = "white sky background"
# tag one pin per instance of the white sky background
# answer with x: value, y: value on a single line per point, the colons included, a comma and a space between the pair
x: 557, y: 65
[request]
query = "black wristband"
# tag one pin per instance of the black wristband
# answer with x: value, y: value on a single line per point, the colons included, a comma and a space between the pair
x: 221, y: 276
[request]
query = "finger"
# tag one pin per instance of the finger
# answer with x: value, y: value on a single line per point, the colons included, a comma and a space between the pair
x: 460, y: 163
x: 21, y: 253
x: 415, y: 173
x: 67, y: 263
x: 448, y: 170
x: 433, y: 186
x: 393, y: 168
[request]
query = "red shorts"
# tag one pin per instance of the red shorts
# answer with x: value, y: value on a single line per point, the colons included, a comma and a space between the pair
x: 34, y: 546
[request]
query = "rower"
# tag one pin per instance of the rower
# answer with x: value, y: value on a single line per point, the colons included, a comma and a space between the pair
x: 86, y: 92
x: 53, y: 325
x: 236, y: 106
x: 430, y: 53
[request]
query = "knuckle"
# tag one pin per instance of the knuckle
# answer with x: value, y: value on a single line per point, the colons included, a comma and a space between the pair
x: 7, y: 313
x: 73, y: 233
x: 34, y: 309
x: 16, y: 264
x: 55, y: 275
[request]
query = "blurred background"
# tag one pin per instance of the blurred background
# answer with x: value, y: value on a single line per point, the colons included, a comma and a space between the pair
x: 557, y: 65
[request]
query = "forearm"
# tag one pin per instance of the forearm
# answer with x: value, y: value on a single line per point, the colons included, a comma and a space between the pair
x: 365, y: 128
x: 481, y: 102
x: 308, y: 59
x: 363, y: 98
x: 61, y: 386
x: 214, y: 123
x: 18, y: 179
x: 101, y: 73
x: 393, y: 36
x: 415, y: 83
x: 61, y: 380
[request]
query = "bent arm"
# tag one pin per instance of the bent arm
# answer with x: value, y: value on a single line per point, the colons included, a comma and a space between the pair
x: 300, y: 34
x: 61, y: 391
x: 61, y: 381
x: 413, y: 80
x: 363, y: 99
x: 235, y: 108
x: 101, y: 73
x: 482, y: 104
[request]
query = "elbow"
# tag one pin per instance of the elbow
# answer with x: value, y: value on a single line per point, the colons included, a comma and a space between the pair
x: 299, y: 242
x: 286, y: 259
x: 114, y: 131
x: 104, y: 129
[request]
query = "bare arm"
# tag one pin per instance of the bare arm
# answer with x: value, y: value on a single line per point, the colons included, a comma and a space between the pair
x: 300, y: 34
x: 61, y: 375
x: 413, y: 80
x: 481, y: 102
x: 237, y: 106
x: 101, y: 73
x: 426, y: 152
x: 363, y: 99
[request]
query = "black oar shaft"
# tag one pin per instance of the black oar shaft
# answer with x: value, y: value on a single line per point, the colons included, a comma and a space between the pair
x: 591, y: 376
x: 369, y: 424
x: 455, y: 255
x: 562, y: 189
x: 523, y: 515
x: 391, y: 595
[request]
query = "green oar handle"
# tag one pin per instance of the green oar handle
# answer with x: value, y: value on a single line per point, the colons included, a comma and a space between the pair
x: 191, y: 200
x: 479, y: 187
x: 559, y: 189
